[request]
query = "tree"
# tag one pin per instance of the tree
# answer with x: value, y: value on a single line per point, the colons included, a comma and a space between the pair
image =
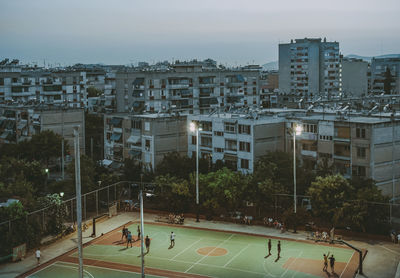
x: 88, y: 174
x: 293, y: 220
x: 221, y: 191
x: 94, y: 127
x: 387, y: 82
x: 324, y: 168
x: 173, y: 193
x: 56, y: 213
x: 42, y: 147
x: 94, y: 92
x: 328, y: 195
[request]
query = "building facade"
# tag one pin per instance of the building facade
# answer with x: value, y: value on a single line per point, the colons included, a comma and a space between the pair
x: 378, y: 70
x: 143, y: 138
x: 309, y: 67
x: 19, y: 123
x: 238, y: 140
x: 354, y: 77
x: 190, y: 87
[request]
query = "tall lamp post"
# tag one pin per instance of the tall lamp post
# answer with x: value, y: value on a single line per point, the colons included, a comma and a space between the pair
x: 196, y: 128
x: 297, y: 129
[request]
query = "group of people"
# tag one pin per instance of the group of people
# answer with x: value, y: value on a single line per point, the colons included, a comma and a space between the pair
x: 320, y: 236
x: 270, y: 222
x: 331, y: 263
x: 176, y: 218
x: 278, y: 247
x: 395, y: 236
x: 128, y: 236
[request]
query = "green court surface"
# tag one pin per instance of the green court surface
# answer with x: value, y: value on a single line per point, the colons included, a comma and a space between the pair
x: 201, y: 252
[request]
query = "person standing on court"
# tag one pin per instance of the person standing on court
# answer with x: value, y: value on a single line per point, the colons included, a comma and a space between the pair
x: 172, y: 237
x: 279, y: 249
x: 325, y: 262
x: 332, y: 263
x: 37, y: 255
x: 138, y: 233
x: 124, y: 233
x: 269, y: 247
x: 147, y: 243
x: 129, y: 239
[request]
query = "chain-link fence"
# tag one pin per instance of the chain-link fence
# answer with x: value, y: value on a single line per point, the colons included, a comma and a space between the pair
x: 56, y: 220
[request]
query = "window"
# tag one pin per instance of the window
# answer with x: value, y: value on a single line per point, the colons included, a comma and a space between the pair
x: 359, y: 171
x: 218, y: 133
x: 230, y: 127
x: 147, y: 126
x: 244, y: 129
x: 194, y: 140
x: 244, y: 146
x: 207, y: 126
x: 244, y: 163
x: 219, y: 150
x: 310, y: 128
x: 1, y: 81
x: 206, y: 141
x: 137, y: 124
x: 360, y: 132
x: 361, y: 152
x: 147, y: 144
x: 231, y: 145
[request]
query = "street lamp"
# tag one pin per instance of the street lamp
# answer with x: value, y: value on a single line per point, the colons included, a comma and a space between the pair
x: 196, y: 128
x: 61, y: 194
x: 297, y: 129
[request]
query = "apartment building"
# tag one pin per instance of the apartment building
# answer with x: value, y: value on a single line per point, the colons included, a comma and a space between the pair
x: 309, y: 67
x: 379, y: 66
x: 236, y: 139
x: 143, y: 138
x: 18, y: 123
x: 356, y: 145
x: 35, y: 85
x: 190, y: 87
x: 354, y: 77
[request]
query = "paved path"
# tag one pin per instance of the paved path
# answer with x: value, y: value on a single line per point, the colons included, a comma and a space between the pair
x: 381, y: 261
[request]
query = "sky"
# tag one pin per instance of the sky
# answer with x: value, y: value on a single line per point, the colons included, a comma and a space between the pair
x: 233, y: 32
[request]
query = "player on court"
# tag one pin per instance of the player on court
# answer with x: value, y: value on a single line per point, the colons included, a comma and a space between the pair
x: 269, y: 248
x: 172, y: 237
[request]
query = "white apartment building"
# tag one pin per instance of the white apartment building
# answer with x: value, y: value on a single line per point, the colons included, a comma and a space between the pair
x: 190, y: 87
x: 32, y: 85
x: 309, y: 67
x: 236, y: 139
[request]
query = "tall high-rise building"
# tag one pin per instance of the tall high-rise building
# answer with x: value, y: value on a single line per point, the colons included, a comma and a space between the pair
x: 308, y: 67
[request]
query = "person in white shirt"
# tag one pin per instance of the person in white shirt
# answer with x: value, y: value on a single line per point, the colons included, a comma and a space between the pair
x: 37, y: 255
x: 172, y: 237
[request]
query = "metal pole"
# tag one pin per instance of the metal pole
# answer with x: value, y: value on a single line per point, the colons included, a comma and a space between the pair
x: 62, y: 144
x: 294, y: 170
x: 97, y: 202
x: 141, y: 224
x: 62, y: 158
x: 197, y: 174
x: 78, y: 198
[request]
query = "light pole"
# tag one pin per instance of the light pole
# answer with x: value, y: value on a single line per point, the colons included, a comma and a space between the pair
x: 195, y: 127
x: 141, y: 223
x: 297, y: 129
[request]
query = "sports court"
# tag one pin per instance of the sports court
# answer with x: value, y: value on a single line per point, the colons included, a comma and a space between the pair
x: 199, y: 253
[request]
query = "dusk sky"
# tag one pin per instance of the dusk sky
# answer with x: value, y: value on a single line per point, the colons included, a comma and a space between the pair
x: 229, y: 31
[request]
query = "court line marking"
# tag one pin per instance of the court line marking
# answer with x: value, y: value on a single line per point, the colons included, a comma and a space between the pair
x: 390, y: 250
x: 234, y: 257
x: 41, y: 269
x: 77, y: 268
x: 346, y: 265
x: 299, y: 255
x: 185, y: 249
x: 112, y: 269
x: 226, y: 240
